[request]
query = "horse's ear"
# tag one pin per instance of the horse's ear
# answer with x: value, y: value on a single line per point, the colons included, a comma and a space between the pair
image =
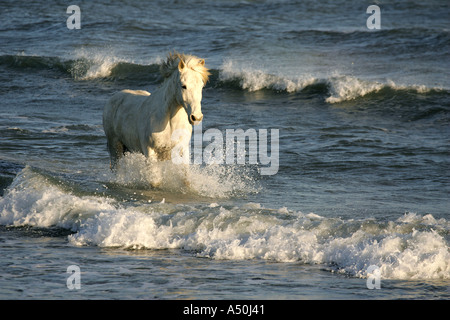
x: 202, y: 62
x: 181, y: 65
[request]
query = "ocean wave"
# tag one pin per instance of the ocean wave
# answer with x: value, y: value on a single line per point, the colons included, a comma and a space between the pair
x: 346, y: 88
x: 335, y: 88
x: 96, y: 66
x: 255, y: 80
x: 411, y: 247
x: 86, y: 67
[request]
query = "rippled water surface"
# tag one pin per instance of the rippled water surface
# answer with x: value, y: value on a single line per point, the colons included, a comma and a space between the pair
x: 363, y: 171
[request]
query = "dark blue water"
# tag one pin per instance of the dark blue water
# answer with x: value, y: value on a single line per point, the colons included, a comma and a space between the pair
x: 363, y: 175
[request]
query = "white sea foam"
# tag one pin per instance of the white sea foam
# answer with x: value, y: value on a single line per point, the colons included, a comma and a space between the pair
x: 410, y: 247
x: 341, y: 87
x: 256, y: 79
x: 344, y: 88
x: 90, y: 66
x: 95, y: 64
x: 242, y: 233
x: 34, y: 200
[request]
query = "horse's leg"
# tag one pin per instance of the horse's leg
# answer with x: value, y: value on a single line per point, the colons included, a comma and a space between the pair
x: 155, y: 166
x: 186, y: 175
x: 116, y: 151
x: 183, y: 162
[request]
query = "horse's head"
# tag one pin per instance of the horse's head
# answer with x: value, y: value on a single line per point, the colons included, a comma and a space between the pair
x: 192, y: 78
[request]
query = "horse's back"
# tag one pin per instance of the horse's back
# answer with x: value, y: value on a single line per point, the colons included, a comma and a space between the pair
x: 136, y: 92
x: 124, y: 99
x: 127, y: 97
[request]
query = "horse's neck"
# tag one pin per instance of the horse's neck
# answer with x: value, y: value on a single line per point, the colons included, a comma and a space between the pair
x: 166, y: 108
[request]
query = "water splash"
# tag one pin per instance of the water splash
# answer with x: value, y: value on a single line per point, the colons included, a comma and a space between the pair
x: 215, y: 181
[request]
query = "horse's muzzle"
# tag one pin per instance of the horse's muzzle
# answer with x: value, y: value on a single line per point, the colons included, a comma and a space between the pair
x: 193, y: 119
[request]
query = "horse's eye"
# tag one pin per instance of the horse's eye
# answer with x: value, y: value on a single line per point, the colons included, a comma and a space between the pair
x: 183, y: 86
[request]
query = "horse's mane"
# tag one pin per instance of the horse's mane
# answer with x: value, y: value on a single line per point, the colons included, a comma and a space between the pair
x: 171, y: 64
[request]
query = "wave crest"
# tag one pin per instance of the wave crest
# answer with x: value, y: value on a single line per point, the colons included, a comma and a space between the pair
x: 254, y: 80
x: 334, y: 88
x: 410, y: 247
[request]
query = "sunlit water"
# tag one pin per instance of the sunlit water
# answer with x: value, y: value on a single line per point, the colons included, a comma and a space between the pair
x: 362, y: 180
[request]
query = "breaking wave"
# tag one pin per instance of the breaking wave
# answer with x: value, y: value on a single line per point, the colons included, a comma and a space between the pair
x: 413, y: 246
x: 87, y: 67
x: 334, y: 88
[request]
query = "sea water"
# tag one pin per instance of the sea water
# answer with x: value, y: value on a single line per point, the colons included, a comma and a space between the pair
x: 362, y: 180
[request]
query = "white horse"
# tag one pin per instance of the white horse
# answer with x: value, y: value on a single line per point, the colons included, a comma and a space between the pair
x: 137, y: 121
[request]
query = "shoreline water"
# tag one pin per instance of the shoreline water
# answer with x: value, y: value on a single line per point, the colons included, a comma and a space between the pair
x: 363, y: 160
